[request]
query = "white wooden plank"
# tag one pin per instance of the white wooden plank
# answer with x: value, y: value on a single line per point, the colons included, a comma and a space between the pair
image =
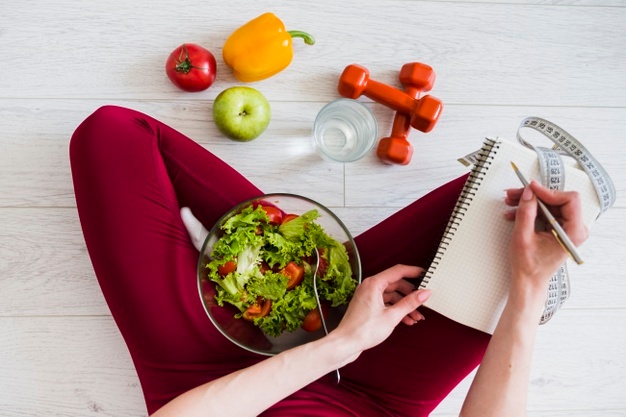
x: 34, y: 164
x: 46, y: 271
x: 44, y: 265
x: 578, y: 364
x: 35, y: 171
x: 461, y: 130
x: 589, y: 3
x: 61, y: 367
x: 37, y: 376
x: 493, y: 53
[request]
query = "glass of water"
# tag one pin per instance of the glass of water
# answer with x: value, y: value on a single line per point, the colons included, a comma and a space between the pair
x: 344, y: 130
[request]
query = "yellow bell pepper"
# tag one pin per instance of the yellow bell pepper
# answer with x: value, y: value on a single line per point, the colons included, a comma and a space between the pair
x: 261, y: 48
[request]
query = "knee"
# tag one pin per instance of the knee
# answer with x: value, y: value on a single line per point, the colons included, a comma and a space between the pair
x: 87, y: 132
x: 94, y: 134
x: 101, y: 118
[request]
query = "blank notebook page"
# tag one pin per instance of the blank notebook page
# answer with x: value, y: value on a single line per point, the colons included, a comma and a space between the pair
x: 470, y: 276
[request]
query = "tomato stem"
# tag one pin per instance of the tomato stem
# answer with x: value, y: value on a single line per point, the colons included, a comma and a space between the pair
x: 185, y: 65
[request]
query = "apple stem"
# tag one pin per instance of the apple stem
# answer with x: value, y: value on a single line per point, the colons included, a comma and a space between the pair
x: 308, y: 39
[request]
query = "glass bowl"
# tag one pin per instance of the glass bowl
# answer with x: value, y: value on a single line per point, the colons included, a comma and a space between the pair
x: 244, y: 333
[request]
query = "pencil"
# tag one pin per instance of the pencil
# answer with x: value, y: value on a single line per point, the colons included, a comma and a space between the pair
x: 557, y: 230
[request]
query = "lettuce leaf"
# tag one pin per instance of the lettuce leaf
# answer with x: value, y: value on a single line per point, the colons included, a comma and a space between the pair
x: 271, y: 286
x: 240, y: 232
x: 288, y: 312
x: 295, y: 229
x: 250, y: 240
x: 337, y: 285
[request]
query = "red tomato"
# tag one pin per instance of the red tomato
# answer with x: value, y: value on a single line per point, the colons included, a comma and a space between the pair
x: 191, y: 67
x: 264, y: 267
x: 289, y: 217
x: 295, y: 273
x: 274, y: 213
x: 257, y: 310
x: 227, y: 268
x: 313, y: 321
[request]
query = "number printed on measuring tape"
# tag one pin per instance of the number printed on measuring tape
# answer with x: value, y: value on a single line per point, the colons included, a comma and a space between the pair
x: 571, y: 146
x: 553, y: 176
x: 552, y: 171
x: 558, y: 292
x: 551, y: 168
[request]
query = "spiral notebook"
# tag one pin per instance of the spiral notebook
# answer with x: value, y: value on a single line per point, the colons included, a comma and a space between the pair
x: 469, y: 276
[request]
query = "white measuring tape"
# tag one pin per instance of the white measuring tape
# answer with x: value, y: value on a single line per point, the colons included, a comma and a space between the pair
x: 568, y: 145
x: 553, y: 177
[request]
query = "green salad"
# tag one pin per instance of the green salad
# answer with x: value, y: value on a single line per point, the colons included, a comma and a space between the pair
x: 263, y: 264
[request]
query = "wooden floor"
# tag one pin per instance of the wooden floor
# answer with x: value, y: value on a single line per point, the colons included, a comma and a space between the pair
x: 496, y: 62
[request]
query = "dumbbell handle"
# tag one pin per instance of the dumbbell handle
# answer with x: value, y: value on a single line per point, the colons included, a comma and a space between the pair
x: 390, y: 96
x: 423, y: 113
x: 401, y: 122
x: 396, y: 148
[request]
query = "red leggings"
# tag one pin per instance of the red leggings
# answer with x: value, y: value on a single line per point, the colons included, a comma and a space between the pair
x: 131, y: 175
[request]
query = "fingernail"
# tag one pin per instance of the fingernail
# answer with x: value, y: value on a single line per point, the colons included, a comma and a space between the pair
x: 421, y: 317
x: 528, y: 194
x: 423, y: 295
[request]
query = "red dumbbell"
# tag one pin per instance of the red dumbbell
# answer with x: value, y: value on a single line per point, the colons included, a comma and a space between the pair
x: 416, y: 78
x: 424, y: 112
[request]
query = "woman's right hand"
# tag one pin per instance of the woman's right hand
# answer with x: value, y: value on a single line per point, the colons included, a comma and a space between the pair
x: 379, y: 304
x: 535, y: 255
x: 500, y: 387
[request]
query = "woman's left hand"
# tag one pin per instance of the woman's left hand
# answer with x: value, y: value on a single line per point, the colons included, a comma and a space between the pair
x: 379, y: 304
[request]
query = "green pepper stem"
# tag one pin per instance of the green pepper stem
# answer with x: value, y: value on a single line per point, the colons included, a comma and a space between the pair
x: 308, y: 39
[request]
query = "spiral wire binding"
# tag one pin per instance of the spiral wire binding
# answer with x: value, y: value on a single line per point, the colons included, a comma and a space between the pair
x: 476, y: 176
x: 565, y: 144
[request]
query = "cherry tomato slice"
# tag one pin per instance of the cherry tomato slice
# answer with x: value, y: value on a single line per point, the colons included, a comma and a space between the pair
x: 264, y: 267
x: 260, y: 308
x: 295, y: 273
x: 313, y: 321
x: 274, y: 213
x: 289, y: 217
x: 227, y: 268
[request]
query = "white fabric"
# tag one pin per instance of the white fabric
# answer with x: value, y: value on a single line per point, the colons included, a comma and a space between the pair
x: 197, y: 232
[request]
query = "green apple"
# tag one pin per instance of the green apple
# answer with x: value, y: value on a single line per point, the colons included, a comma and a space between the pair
x: 241, y: 113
